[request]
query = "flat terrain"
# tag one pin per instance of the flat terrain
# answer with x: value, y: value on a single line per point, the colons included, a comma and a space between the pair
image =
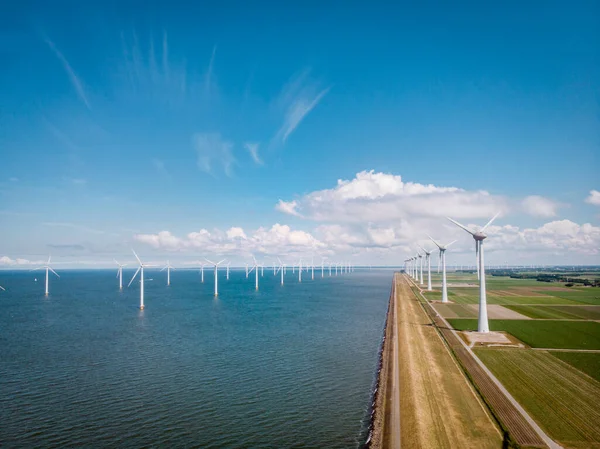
x: 558, y: 312
x: 564, y: 401
x: 558, y: 334
x: 438, y: 407
x: 586, y: 362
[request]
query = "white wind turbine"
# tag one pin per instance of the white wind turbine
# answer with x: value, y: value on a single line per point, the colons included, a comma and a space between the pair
x: 228, y: 264
x: 141, y: 271
x: 479, y: 236
x: 120, y: 273
x: 300, y: 270
x: 329, y: 269
x: 255, y: 268
x: 420, y: 256
x: 443, y: 249
x: 168, y: 267
x: 281, y: 269
x: 312, y: 266
x: 216, y: 265
x: 428, y: 258
x: 322, y: 267
x: 202, y: 272
x: 47, y: 268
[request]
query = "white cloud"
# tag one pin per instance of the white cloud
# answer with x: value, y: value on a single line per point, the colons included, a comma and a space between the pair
x: 385, y: 198
x: 276, y: 240
x: 538, y: 206
x: 253, y: 150
x: 288, y: 207
x: 75, y: 81
x: 7, y: 261
x: 213, y: 150
x: 593, y: 198
x: 298, y: 98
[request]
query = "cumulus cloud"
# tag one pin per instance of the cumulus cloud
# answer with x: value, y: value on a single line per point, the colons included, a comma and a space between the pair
x: 593, y: 198
x: 385, y: 198
x: 253, y: 150
x: 7, y: 261
x: 212, y: 150
x: 538, y: 206
x: 276, y: 240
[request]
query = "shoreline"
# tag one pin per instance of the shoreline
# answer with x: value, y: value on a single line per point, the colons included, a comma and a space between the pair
x: 376, y: 429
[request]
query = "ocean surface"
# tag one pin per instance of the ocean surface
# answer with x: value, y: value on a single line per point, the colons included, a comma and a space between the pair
x: 284, y: 367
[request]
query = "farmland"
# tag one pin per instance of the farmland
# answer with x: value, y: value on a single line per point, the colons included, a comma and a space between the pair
x: 559, y: 397
x: 586, y: 362
x: 543, y: 333
x: 558, y: 312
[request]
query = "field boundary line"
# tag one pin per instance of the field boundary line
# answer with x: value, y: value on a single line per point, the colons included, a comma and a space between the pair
x: 549, y: 441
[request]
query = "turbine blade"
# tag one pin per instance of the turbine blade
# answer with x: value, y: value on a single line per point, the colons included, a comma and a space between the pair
x: 163, y: 268
x: 116, y: 262
x: 2, y: 288
x: 136, y: 256
x: 490, y: 222
x: 461, y: 226
x: 210, y: 262
x: 221, y: 261
x: 436, y: 243
x: 453, y: 241
x: 136, y: 273
x: 53, y: 271
x: 49, y: 257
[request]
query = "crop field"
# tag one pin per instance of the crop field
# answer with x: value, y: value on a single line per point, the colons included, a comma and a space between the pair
x: 559, y: 397
x: 543, y: 334
x: 587, y: 362
x: 455, y: 311
x: 586, y: 295
x: 558, y: 312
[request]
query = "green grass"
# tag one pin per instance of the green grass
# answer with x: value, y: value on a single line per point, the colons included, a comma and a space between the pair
x: 545, y: 312
x: 559, y: 397
x: 586, y: 312
x: 543, y: 334
x: 585, y: 295
x: 588, y: 362
x: 452, y: 310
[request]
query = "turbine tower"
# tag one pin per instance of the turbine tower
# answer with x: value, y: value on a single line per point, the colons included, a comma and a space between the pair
x: 420, y: 256
x: 120, y: 273
x: 168, y: 267
x: 300, y: 270
x: 312, y: 266
x: 46, y: 267
x: 141, y: 271
x: 255, y: 268
x: 428, y: 258
x: 443, y: 249
x: 216, y: 265
x: 228, y: 263
x: 202, y: 273
x: 479, y: 236
x: 281, y: 269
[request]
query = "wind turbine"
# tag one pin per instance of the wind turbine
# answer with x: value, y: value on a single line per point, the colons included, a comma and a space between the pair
x: 141, y: 271
x: 255, y: 268
x: 322, y: 267
x: 312, y: 266
x: 47, y: 268
x: 228, y: 263
x: 202, y: 272
x: 300, y: 271
x: 281, y: 269
x: 169, y: 267
x: 329, y: 269
x: 120, y: 273
x: 428, y: 258
x: 443, y: 249
x: 216, y: 265
x: 246, y: 271
x: 420, y: 256
x: 479, y: 236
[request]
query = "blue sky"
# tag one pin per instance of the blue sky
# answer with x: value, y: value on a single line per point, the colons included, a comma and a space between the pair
x: 118, y: 122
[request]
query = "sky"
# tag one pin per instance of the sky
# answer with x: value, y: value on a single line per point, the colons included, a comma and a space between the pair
x: 347, y: 131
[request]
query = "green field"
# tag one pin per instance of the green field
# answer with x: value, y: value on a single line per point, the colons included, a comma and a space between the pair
x: 558, y: 312
x: 586, y: 295
x: 559, y: 397
x: 543, y: 334
x: 455, y: 310
x: 466, y: 295
x: 588, y: 362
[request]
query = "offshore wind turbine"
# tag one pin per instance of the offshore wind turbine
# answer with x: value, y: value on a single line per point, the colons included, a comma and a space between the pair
x: 255, y: 268
x: 216, y: 265
x: 47, y: 268
x: 141, y: 271
x: 120, y: 273
x: 443, y: 249
x: 322, y: 267
x: 312, y: 266
x: 479, y: 236
x: 329, y: 269
x: 202, y: 272
x: 300, y: 270
x: 281, y: 269
x: 428, y: 258
x: 168, y: 267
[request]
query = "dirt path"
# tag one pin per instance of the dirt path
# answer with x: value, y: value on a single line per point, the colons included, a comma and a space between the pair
x: 438, y: 407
